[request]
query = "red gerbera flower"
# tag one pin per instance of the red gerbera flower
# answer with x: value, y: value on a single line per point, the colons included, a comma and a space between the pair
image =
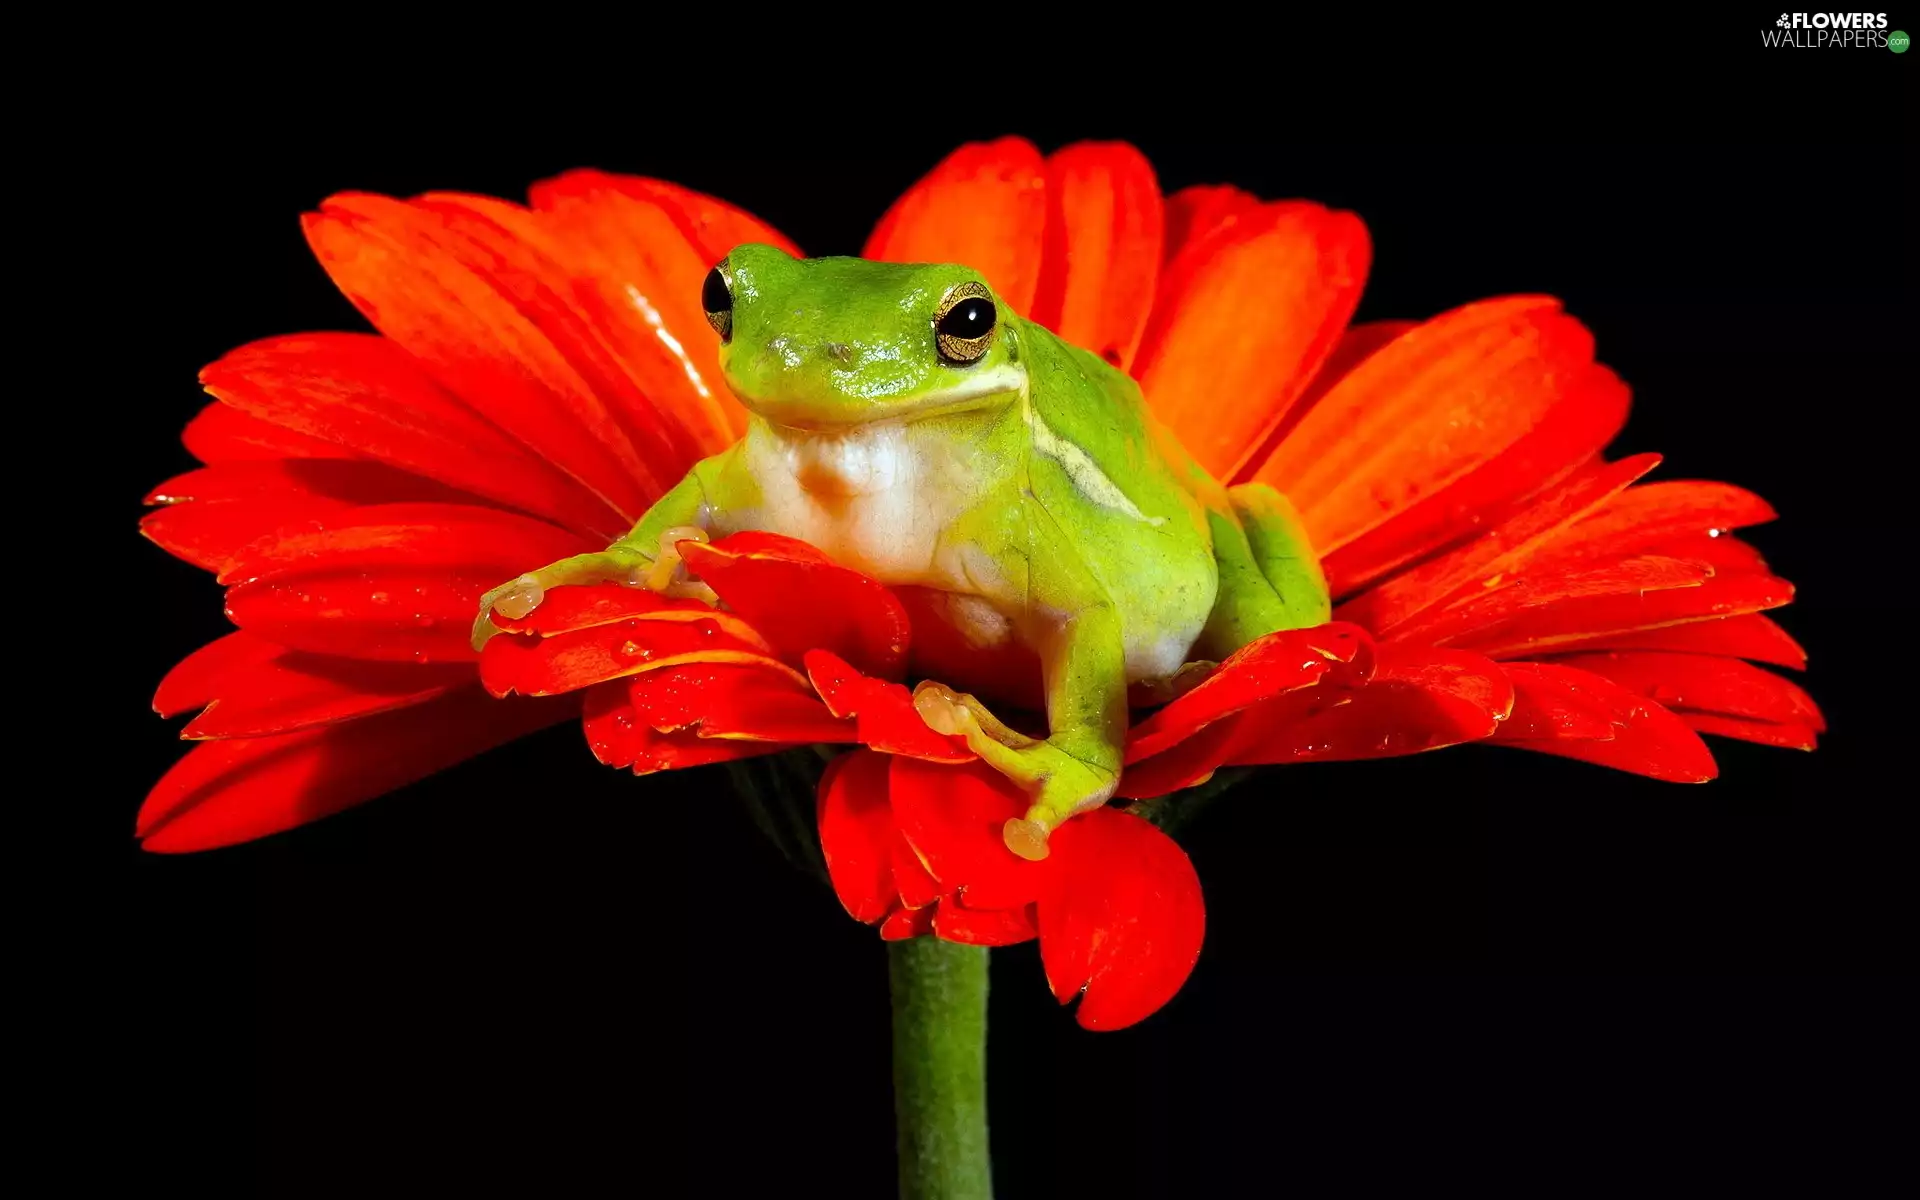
x: 542, y: 375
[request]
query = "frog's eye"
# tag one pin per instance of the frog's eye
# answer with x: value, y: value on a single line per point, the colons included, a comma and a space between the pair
x: 964, y: 324
x: 716, y: 297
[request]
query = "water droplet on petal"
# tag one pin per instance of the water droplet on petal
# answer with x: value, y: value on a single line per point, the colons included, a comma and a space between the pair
x: 630, y: 649
x: 379, y: 597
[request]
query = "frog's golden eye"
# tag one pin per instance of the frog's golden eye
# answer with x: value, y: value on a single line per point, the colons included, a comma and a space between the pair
x: 964, y: 324
x: 716, y: 297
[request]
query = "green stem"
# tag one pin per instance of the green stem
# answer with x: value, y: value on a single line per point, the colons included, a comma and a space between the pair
x: 940, y: 1068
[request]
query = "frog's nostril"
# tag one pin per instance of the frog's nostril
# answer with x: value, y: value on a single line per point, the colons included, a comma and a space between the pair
x: 839, y: 352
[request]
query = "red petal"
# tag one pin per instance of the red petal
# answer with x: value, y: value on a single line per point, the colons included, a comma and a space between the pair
x: 213, y: 512
x: 1642, y: 519
x: 1124, y: 921
x: 1262, y: 669
x: 1571, y: 433
x: 1184, y: 765
x: 1102, y: 258
x: 735, y: 700
x: 222, y: 434
x: 1610, y: 602
x: 1424, y: 411
x: 992, y: 927
x: 1534, y: 593
x: 799, y: 602
x: 382, y: 615
x: 366, y: 394
x: 857, y: 834
x: 1727, y: 555
x: 1418, y: 699
x: 1765, y: 733
x: 233, y: 791
x: 1548, y: 702
x: 917, y: 888
x: 1704, y: 683
x: 567, y: 662
x: 984, y: 206
x: 409, y: 537
x: 619, y: 738
x: 884, y: 712
x: 486, y: 334
x: 1198, y: 212
x: 1244, y: 318
x: 1503, y: 552
x: 904, y: 923
x: 256, y: 687
x: 953, y: 817
x: 1647, y: 739
x: 1750, y: 636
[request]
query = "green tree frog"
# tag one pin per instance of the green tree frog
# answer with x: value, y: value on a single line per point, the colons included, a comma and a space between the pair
x: 910, y: 425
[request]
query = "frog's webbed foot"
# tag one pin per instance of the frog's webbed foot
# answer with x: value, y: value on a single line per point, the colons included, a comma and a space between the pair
x: 1058, y: 784
x: 620, y: 563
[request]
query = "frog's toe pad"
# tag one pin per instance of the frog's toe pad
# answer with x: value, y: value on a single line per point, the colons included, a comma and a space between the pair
x: 515, y: 600
x: 1027, y: 839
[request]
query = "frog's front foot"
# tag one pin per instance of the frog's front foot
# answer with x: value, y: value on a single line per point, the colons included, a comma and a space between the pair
x: 1057, y: 783
x: 621, y: 563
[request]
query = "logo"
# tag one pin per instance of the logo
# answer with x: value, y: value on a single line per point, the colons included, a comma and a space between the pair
x: 1847, y: 31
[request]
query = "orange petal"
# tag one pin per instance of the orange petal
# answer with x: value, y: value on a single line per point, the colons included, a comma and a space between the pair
x: 857, y: 834
x: 1123, y: 926
x: 369, y: 396
x: 1198, y: 212
x: 1500, y: 554
x: 953, y: 817
x: 1423, y: 411
x: 1244, y: 318
x: 985, y: 207
x: 799, y: 601
x: 1571, y: 433
x: 1647, y: 739
x: 1418, y: 699
x: 625, y: 243
x: 884, y: 714
x: 712, y: 226
x: 917, y: 887
x: 236, y: 790
x: 222, y: 433
x: 1102, y: 258
x: 1749, y: 636
x: 487, y: 332
x: 1704, y: 683
x: 388, y: 614
x: 1727, y: 555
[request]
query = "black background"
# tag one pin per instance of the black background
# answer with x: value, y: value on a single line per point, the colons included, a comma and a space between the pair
x: 533, y: 975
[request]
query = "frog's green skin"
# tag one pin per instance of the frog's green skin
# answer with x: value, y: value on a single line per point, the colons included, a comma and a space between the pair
x: 1031, y: 484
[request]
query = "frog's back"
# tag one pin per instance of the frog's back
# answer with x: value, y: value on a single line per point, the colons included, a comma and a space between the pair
x: 1099, y: 461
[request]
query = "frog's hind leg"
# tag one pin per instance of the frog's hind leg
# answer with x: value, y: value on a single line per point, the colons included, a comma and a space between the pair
x: 1270, y: 578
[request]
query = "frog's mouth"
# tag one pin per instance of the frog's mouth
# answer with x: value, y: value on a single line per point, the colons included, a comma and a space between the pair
x: 972, y: 392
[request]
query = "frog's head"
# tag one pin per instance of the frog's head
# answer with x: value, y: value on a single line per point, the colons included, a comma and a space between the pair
x: 820, y: 343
